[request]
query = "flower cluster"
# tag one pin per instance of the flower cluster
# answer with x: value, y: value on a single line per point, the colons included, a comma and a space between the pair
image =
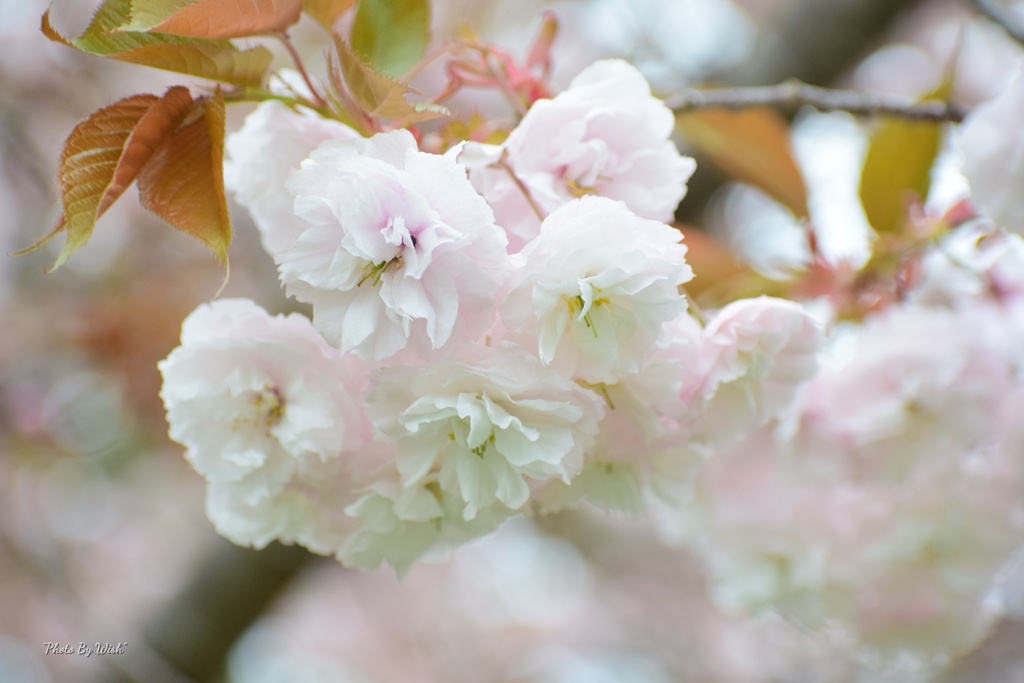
x: 443, y: 385
x: 502, y: 329
x: 870, y: 480
x: 886, y: 496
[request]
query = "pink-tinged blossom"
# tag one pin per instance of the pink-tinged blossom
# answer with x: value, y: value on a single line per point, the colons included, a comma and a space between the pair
x: 605, y: 135
x: 926, y: 576
x: 972, y: 263
x: 755, y: 355
x: 271, y: 417
x: 592, y: 291
x: 992, y: 143
x: 399, y: 248
x: 772, y: 539
x: 260, y: 156
x: 887, y: 502
x: 921, y: 385
x: 903, y: 569
x: 400, y: 525
x: 485, y: 425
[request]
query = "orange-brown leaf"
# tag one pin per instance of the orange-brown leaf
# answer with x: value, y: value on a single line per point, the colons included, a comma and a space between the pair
x: 213, y: 19
x: 203, y: 59
x: 718, y: 275
x: 150, y: 132
x: 183, y: 182
x: 379, y: 96
x: 90, y: 160
x: 327, y: 12
x: 104, y: 154
x: 751, y: 146
x: 217, y: 60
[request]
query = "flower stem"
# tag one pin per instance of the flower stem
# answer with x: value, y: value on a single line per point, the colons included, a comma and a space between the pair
x: 288, y: 45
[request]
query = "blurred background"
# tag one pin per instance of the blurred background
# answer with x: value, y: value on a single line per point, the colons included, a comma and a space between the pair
x: 103, y: 538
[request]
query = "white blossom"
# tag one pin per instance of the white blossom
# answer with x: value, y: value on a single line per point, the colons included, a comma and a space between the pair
x: 398, y: 246
x: 992, y: 143
x: 403, y: 524
x: 640, y: 425
x: 970, y: 264
x: 485, y: 424
x: 592, y: 291
x: 272, y: 143
x: 604, y: 134
x: 887, y: 502
x: 270, y: 415
x: 755, y: 355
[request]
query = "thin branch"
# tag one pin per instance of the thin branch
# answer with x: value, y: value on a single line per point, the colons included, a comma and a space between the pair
x: 297, y: 59
x: 257, y: 95
x: 432, y: 56
x: 997, y: 12
x: 501, y: 76
x: 503, y: 164
x: 793, y: 94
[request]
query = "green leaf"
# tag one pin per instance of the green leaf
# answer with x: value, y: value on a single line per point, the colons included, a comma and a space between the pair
x: 213, y: 18
x: 184, y: 181
x: 216, y: 60
x: 392, y: 34
x: 897, y: 171
x: 752, y: 146
x: 897, y: 168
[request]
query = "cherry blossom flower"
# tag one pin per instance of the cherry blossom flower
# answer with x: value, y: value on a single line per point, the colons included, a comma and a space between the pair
x: 925, y: 577
x: 403, y: 524
x: 271, y: 417
x: 605, y: 134
x: 888, y: 498
x: 398, y: 246
x: 639, y: 427
x: 921, y: 385
x: 485, y: 424
x: 993, y: 152
x: 593, y: 290
x: 972, y: 263
x: 903, y: 571
x: 755, y: 355
x: 270, y: 145
x: 773, y: 539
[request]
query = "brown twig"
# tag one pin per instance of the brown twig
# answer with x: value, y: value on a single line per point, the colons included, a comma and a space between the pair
x: 503, y: 164
x: 793, y: 94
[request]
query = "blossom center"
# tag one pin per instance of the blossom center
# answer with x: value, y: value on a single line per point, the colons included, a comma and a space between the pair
x: 375, y: 271
x: 582, y: 310
x: 477, y: 450
x: 577, y: 189
x: 265, y: 409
